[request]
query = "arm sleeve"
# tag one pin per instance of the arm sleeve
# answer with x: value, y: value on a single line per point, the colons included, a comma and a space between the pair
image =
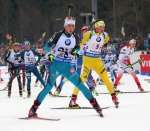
x: 85, y: 37
x: 46, y: 48
x: 53, y: 40
x: 7, y: 56
x: 107, y: 38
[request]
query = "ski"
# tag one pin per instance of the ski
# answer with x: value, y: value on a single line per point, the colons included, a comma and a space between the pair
x: 148, y: 80
x: 127, y: 92
x: 3, y: 90
x: 78, y: 107
x: 58, y: 96
x: 38, y: 118
x: 133, y: 92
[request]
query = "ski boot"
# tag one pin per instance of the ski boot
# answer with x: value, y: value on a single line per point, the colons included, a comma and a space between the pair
x: 115, y: 99
x: 73, y: 103
x: 96, y: 107
x: 35, y: 85
x: 28, y: 94
x: 57, y: 92
x: 32, y: 111
x: 140, y: 87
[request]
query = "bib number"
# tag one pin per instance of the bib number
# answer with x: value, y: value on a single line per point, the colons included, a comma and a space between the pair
x: 64, y: 51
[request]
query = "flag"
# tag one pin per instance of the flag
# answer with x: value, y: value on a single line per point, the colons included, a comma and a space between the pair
x: 42, y: 38
x: 9, y: 37
x: 122, y: 31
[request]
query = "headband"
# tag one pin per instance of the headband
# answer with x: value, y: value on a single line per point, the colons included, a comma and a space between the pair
x: 99, y: 23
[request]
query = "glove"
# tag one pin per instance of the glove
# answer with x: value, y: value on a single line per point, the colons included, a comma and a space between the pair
x: 50, y: 57
x: 41, y: 65
x: 74, y: 53
x: 129, y: 66
x: 140, y: 61
x: 21, y: 60
x: 65, y: 80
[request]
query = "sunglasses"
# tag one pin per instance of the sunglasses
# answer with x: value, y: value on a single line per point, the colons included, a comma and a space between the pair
x: 70, y: 18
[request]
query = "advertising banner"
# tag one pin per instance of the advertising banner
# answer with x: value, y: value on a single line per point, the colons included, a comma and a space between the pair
x: 145, y: 66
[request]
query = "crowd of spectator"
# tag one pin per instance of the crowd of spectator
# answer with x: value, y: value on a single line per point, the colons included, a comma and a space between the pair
x: 5, y: 47
x: 115, y: 43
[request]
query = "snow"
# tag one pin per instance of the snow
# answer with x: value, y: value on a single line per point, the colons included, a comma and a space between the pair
x: 133, y: 113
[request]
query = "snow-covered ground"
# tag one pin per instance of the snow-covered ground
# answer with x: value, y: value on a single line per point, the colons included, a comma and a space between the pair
x: 133, y: 113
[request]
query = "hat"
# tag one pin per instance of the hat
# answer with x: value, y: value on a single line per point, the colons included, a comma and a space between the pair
x: 84, y: 28
x: 27, y: 43
x: 69, y: 20
x: 16, y: 44
x: 108, y: 47
x: 132, y: 41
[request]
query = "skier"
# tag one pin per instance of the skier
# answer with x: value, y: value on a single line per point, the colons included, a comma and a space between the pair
x: 66, y: 44
x: 109, y: 61
x: 13, y: 68
x: 124, y: 62
x: 90, y: 81
x: 94, y: 40
x: 11, y: 48
x: 77, y: 64
x: 30, y: 65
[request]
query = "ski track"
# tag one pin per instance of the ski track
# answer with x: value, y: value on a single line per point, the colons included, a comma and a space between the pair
x: 133, y: 113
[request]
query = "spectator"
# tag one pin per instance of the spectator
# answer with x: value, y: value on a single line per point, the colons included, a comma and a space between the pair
x: 142, y: 53
x: 117, y: 45
x: 149, y: 42
x: 146, y: 45
x: 148, y: 52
